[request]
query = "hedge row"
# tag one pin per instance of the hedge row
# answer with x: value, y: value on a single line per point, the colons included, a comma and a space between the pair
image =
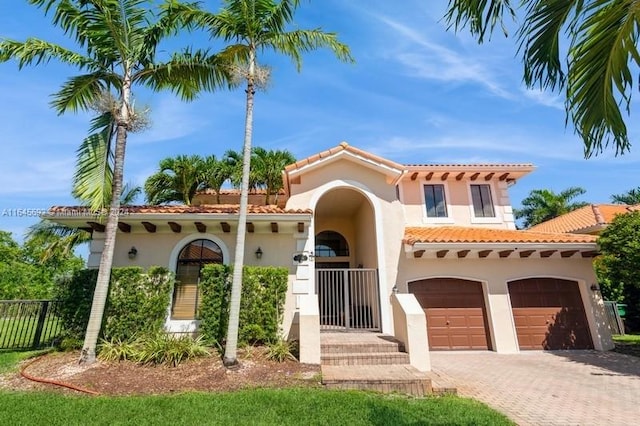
x: 138, y: 302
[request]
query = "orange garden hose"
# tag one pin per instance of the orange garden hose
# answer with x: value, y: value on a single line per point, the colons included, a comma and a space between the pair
x: 28, y: 376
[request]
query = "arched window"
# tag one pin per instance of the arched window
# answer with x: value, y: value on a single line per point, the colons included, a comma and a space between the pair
x: 331, y: 244
x: 191, y: 259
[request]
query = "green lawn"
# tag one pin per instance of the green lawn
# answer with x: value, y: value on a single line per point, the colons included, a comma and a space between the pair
x: 633, y: 339
x: 9, y: 360
x: 19, y: 333
x: 251, y: 407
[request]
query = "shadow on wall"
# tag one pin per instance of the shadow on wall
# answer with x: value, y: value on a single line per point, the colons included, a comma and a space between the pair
x: 567, y: 330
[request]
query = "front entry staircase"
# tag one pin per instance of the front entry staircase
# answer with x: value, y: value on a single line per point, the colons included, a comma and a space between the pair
x: 369, y: 361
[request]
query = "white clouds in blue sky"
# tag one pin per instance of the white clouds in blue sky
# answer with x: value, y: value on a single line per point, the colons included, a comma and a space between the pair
x: 416, y: 94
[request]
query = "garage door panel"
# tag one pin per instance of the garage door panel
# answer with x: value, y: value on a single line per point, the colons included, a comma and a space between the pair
x: 455, y: 313
x: 548, y: 314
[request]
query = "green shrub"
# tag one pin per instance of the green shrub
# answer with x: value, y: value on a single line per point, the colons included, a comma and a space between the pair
x: 281, y: 350
x: 137, y: 302
x: 116, y: 350
x: 261, y: 306
x: 75, y: 292
x: 167, y: 349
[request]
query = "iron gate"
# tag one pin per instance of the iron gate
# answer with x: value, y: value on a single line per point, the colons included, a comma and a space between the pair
x: 348, y: 299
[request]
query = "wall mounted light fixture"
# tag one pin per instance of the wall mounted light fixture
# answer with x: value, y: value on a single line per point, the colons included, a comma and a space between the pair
x: 595, y: 287
x: 259, y: 253
x: 133, y: 252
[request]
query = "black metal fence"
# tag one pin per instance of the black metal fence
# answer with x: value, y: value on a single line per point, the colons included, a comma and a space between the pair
x: 29, y: 324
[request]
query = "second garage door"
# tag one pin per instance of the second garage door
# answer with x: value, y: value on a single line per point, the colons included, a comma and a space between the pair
x: 455, y: 311
x: 549, y: 314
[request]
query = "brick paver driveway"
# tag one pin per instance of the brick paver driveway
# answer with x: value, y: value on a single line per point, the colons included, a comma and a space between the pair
x: 548, y: 388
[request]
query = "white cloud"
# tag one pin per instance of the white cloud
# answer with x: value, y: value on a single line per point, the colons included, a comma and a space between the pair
x: 428, y: 60
x: 544, y: 98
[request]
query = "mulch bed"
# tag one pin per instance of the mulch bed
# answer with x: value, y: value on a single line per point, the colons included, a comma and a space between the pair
x: 127, y: 378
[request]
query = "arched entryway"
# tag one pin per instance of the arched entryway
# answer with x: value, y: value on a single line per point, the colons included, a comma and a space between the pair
x: 346, y: 261
x: 455, y: 311
x: 191, y: 259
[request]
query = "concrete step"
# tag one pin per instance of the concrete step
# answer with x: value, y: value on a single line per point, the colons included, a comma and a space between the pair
x: 388, y: 378
x: 358, y: 343
x: 365, y: 358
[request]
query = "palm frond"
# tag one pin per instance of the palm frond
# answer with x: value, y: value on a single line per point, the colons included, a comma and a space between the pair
x: 481, y: 16
x: 34, y: 51
x: 81, y: 92
x: 94, y: 168
x: 295, y: 42
x: 540, y: 40
x: 599, y: 80
x: 187, y: 74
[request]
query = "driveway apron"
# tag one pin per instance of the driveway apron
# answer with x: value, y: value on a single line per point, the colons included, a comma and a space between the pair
x: 548, y: 388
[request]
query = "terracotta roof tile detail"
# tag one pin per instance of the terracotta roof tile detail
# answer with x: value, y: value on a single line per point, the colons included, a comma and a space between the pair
x: 584, y: 218
x: 342, y: 147
x: 462, y: 235
x: 181, y: 209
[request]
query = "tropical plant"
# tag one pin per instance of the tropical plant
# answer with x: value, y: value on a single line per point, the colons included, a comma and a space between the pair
x: 268, y: 166
x: 631, y: 197
x: 216, y: 173
x: 25, y: 273
x: 178, y: 179
x: 253, y: 26
x: 601, y: 51
x: 620, y: 247
x: 544, y: 204
x: 118, y: 41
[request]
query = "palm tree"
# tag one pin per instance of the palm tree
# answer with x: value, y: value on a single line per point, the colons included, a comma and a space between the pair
x: 178, y: 179
x: 253, y: 26
x: 268, y: 166
x: 601, y: 56
x: 631, y: 197
x: 119, y: 40
x: 216, y: 173
x: 544, y: 204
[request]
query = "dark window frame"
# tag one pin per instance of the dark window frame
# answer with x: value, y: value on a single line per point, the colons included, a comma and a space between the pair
x: 482, y: 201
x: 435, y: 208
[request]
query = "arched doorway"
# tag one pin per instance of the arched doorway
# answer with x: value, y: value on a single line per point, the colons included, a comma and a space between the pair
x: 346, y: 261
x: 191, y: 259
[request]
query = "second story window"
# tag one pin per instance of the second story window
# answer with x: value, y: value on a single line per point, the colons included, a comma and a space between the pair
x: 435, y: 201
x: 482, y: 202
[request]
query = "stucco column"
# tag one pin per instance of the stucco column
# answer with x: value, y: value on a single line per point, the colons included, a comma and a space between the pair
x: 500, y: 316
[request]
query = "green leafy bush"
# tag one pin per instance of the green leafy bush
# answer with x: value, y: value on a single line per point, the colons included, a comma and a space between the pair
x: 261, y: 306
x: 137, y: 302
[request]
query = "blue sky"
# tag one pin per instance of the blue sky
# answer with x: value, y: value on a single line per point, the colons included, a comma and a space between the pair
x: 417, y: 94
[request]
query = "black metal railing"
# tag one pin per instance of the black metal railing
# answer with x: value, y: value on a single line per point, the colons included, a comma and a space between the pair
x: 29, y: 324
x: 348, y: 299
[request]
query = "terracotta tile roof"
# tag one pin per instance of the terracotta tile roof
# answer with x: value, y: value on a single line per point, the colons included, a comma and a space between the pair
x: 181, y: 209
x: 343, y: 147
x: 412, y: 167
x: 459, y: 234
x: 233, y: 191
x: 584, y: 219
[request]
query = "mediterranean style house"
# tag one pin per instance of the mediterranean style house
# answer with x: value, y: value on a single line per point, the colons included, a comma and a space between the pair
x: 428, y: 254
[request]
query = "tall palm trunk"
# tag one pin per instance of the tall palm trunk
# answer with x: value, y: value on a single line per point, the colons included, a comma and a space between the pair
x: 230, y: 353
x: 101, y: 292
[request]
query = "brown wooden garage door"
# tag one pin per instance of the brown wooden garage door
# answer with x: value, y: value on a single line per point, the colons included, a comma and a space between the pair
x: 549, y: 314
x: 455, y: 312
